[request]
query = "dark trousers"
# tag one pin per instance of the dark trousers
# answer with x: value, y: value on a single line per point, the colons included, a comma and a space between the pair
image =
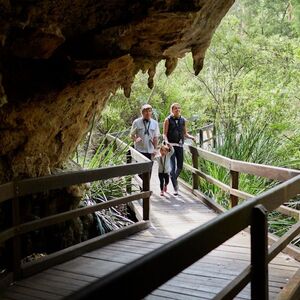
x: 163, y: 179
x: 176, y: 165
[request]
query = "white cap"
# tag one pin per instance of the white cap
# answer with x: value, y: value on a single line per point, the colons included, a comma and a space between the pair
x: 146, y: 106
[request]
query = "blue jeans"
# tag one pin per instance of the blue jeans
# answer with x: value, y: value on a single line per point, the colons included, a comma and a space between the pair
x: 176, y: 165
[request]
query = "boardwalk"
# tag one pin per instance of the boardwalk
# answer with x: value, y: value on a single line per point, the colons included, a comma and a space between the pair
x: 170, y: 217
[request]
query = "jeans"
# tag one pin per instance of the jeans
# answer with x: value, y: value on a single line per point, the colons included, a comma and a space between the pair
x: 176, y: 165
x: 163, y: 179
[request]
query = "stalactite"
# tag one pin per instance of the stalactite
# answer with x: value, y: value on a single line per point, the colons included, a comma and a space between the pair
x: 171, y: 63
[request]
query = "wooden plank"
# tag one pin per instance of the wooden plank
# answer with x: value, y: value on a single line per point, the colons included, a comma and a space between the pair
x: 208, y: 178
x: 58, y: 289
x: 113, y: 255
x: 153, y: 297
x: 290, y: 249
x: 146, y: 200
x: 283, y: 241
x: 61, y: 217
x: 7, y: 234
x: 292, y: 290
x: 204, y: 292
x: 45, y: 183
x: 288, y: 211
x: 280, y: 194
x: 128, y: 179
x: 6, y: 191
x: 240, y: 194
x: 69, y: 275
x: 213, y: 157
x: 12, y: 295
x: 227, y: 225
x: 15, y: 257
x: 32, y: 293
x: 138, y: 180
x: 134, y: 153
x: 51, y: 280
x: 6, y: 281
x: 76, y: 250
x: 195, y: 163
x: 166, y: 294
x: 207, y: 200
x: 234, y: 184
x: 218, y: 183
x: 259, y: 254
x: 275, y: 173
x: 90, y: 266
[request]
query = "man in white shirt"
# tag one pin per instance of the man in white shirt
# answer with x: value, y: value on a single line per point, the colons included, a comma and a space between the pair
x: 145, y: 132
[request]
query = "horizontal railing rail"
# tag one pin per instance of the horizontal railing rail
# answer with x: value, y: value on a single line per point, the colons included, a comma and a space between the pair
x: 13, y: 191
x: 235, y: 167
x: 172, y: 258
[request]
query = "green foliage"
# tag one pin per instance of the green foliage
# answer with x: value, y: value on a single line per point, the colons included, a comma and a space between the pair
x: 295, y: 9
x: 249, y: 88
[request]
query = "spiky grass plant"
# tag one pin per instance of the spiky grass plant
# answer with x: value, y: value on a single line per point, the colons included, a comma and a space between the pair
x: 104, y: 155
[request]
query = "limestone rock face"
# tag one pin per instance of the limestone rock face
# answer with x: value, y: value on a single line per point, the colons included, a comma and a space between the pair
x: 61, y: 60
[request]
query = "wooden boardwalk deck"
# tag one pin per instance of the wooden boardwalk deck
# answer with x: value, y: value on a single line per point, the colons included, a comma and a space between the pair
x: 170, y: 217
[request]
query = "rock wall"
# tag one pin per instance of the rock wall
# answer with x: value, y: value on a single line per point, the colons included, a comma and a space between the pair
x: 61, y: 60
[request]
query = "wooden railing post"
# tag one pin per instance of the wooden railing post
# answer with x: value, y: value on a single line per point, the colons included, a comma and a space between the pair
x: 201, y: 138
x: 146, y: 201
x: 259, y: 254
x: 234, y: 183
x: 128, y: 179
x: 15, y: 256
x: 214, y: 133
x: 195, y: 162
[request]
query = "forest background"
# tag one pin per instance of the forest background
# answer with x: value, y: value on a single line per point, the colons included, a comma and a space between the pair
x: 248, y: 88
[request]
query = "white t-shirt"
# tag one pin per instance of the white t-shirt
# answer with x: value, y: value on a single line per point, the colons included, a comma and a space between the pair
x: 146, y: 131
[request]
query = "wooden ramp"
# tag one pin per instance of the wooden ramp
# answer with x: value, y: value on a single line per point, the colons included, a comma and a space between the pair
x: 170, y: 217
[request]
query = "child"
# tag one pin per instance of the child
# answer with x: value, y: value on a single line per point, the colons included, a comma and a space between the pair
x: 163, y: 160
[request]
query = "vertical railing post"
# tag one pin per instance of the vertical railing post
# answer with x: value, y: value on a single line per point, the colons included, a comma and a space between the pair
x: 201, y: 138
x: 128, y: 179
x: 16, y: 240
x: 146, y: 201
x: 214, y: 136
x: 195, y: 162
x: 234, y: 183
x: 259, y: 254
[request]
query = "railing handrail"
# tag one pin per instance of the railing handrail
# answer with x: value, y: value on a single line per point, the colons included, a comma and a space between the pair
x: 156, y: 265
x: 51, y: 182
x: 271, y: 172
x: 14, y: 190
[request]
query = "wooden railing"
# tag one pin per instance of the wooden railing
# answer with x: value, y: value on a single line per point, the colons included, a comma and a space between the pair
x: 13, y: 191
x: 235, y: 168
x: 157, y: 267
x: 207, y: 135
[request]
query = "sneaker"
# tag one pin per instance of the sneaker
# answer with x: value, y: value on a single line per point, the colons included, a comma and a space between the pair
x: 165, y: 188
x: 175, y: 193
x: 162, y: 193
